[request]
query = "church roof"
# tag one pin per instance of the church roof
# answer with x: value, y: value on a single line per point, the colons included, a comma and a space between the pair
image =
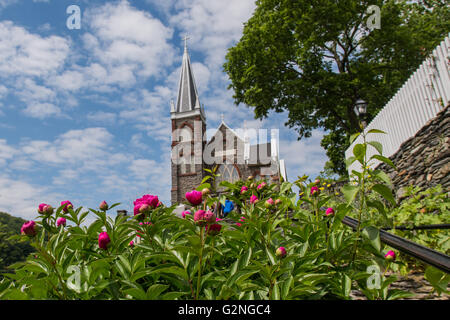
x: 187, y: 92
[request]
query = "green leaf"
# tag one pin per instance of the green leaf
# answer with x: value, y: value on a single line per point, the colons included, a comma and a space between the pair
x: 383, y: 159
x: 154, y: 291
x: 354, y: 136
x: 376, y: 131
x: 359, y: 151
x: 385, y: 192
x: 286, y: 287
x: 378, y: 146
x: 373, y: 235
x: 350, y: 192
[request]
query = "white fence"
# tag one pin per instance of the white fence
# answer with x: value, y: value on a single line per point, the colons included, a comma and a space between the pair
x: 420, y: 98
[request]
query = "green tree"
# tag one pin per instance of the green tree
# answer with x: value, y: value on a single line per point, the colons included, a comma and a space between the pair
x: 12, y: 251
x: 316, y: 58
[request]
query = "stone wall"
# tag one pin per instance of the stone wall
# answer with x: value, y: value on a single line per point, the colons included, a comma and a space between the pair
x: 423, y: 160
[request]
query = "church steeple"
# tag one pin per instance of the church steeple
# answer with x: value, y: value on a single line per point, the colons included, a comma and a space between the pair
x: 188, y: 100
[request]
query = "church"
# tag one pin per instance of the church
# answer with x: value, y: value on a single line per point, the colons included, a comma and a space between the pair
x: 229, y: 150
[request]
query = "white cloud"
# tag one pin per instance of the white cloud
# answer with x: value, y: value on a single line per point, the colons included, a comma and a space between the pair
x: 41, y: 110
x: 102, y: 118
x: 25, y: 54
x: 125, y: 38
x: 6, y: 152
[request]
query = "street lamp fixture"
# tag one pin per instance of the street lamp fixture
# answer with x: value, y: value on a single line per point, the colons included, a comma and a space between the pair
x: 361, y: 111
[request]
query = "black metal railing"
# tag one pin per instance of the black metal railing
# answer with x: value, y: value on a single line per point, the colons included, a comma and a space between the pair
x: 427, y: 255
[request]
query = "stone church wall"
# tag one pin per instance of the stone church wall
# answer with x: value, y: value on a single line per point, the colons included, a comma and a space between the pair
x: 423, y: 160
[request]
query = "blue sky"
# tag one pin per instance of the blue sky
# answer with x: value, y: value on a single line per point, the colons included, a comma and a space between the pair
x: 85, y: 114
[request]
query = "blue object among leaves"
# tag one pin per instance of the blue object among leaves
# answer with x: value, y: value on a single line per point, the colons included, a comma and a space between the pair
x: 229, y: 206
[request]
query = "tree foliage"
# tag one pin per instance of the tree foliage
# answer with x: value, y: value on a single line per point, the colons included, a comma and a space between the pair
x: 316, y: 58
x: 11, y: 251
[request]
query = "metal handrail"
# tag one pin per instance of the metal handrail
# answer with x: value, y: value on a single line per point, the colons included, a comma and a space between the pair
x: 427, y: 255
x: 422, y: 227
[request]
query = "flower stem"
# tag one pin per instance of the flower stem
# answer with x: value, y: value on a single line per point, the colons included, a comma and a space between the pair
x: 200, y: 262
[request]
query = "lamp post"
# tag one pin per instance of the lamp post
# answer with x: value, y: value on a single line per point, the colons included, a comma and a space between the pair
x: 361, y: 111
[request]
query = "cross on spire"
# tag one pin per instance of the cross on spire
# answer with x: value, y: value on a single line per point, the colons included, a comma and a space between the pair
x: 185, y: 39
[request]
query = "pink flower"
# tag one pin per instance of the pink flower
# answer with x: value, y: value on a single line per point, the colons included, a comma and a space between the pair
x: 329, y: 212
x: 317, y: 181
x: 131, y: 244
x: 45, y: 209
x: 185, y: 213
x: 261, y: 185
x: 29, y: 228
x: 61, y: 221
x: 390, y: 255
x: 103, y: 206
x: 148, y: 199
x: 214, y: 229
x: 194, y: 197
x: 281, y: 252
x: 269, y: 203
x: 199, y: 217
x: 239, y: 224
x: 314, y: 191
x: 253, y: 199
x: 103, y: 240
x: 277, y: 202
x: 67, y: 205
x: 244, y: 189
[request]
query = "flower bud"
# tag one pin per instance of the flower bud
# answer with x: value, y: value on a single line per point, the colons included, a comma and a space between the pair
x: 281, y: 252
x: 329, y: 212
x: 103, y: 240
x: 261, y: 185
x: 209, y: 217
x: 48, y: 209
x: 390, y: 255
x: 103, y: 206
x: 28, y: 228
x: 185, y: 213
x: 277, y: 202
x: 254, y: 199
x: 244, y: 189
x: 131, y: 244
x: 317, y: 181
x: 269, y: 203
x: 250, y: 178
x: 314, y: 191
x: 61, y: 221
x: 67, y: 205
x: 205, y: 192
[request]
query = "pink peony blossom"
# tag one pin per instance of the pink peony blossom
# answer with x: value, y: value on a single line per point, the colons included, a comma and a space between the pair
x: 281, y: 252
x: 103, y: 240
x: 194, y: 197
x: 61, y: 221
x: 103, y: 206
x: 244, y: 189
x: 329, y: 212
x: 151, y: 200
x: 253, y: 199
x: 390, y: 255
x: 199, y: 217
x: 131, y: 244
x: 29, y: 228
x: 67, y: 205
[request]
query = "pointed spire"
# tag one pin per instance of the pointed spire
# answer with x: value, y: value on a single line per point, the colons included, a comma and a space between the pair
x: 187, y: 92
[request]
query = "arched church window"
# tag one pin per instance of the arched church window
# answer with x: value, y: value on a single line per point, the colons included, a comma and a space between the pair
x: 228, y: 172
